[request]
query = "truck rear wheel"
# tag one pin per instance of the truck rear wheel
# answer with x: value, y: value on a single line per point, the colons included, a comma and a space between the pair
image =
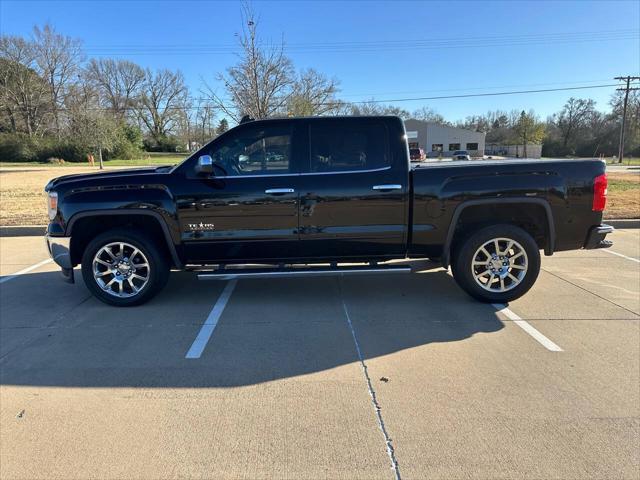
x: 124, y: 268
x: 497, y: 264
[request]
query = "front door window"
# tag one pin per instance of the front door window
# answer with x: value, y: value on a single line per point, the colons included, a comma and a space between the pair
x: 255, y: 151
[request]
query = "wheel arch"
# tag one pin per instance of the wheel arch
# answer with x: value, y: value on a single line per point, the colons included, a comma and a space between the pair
x: 539, y: 203
x: 85, y: 225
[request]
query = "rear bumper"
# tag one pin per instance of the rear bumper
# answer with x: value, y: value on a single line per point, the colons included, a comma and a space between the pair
x: 596, y: 237
x: 60, y: 252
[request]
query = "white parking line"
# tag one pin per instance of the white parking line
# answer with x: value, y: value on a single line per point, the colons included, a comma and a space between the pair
x: 527, y: 327
x: 6, y: 278
x: 621, y: 255
x: 210, y: 323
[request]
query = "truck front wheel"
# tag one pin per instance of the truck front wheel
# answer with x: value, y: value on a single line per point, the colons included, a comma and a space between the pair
x: 497, y: 264
x: 124, y: 268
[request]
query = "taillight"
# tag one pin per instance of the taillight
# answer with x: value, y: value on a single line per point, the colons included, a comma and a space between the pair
x: 599, y: 193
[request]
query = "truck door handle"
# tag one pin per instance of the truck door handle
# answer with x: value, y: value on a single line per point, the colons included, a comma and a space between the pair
x: 391, y: 186
x: 278, y: 191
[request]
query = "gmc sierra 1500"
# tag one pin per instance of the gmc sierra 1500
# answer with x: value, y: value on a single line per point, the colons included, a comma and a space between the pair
x: 286, y: 193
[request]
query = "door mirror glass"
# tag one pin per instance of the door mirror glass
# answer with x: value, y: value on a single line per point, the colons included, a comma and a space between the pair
x: 204, y: 165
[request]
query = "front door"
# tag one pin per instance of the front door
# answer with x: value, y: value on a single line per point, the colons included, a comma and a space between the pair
x: 248, y: 209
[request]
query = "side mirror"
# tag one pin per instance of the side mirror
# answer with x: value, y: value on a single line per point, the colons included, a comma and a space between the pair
x: 204, y: 165
x: 243, y: 158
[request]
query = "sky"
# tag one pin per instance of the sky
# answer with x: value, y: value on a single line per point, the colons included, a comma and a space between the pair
x: 384, y: 50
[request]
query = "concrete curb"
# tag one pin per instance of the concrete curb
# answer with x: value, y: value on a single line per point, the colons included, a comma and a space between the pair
x: 623, y: 222
x: 23, y: 231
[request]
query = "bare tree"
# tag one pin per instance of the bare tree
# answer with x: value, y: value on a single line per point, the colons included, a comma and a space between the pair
x: 427, y: 114
x: 632, y: 130
x: 24, y: 94
x: 372, y: 107
x: 259, y: 85
x: 163, y: 103
x: 313, y: 94
x: 204, y: 117
x: 58, y: 58
x: 574, y: 115
x: 119, y: 83
x: 91, y: 127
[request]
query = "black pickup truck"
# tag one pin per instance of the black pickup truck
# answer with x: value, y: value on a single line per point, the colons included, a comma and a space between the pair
x: 322, y: 196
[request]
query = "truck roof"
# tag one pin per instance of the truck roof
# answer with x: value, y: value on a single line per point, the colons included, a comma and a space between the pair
x: 328, y: 117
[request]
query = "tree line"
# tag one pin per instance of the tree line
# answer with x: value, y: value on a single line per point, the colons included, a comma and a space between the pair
x: 578, y: 129
x: 57, y: 103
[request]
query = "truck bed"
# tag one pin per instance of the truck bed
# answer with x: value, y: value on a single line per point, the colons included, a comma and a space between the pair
x: 564, y: 187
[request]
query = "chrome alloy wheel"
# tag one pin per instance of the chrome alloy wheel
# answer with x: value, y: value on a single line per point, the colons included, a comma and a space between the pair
x: 120, y: 269
x: 499, y: 265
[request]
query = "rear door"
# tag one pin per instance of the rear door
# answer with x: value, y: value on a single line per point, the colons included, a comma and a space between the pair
x: 353, y: 196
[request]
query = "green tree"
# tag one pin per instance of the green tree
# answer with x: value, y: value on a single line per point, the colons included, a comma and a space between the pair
x: 529, y: 129
x: 222, y: 127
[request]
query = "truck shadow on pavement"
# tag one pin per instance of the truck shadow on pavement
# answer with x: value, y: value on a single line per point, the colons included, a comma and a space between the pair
x: 270, y: 330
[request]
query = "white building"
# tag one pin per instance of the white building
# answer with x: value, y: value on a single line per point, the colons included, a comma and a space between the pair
x: 440, y: 140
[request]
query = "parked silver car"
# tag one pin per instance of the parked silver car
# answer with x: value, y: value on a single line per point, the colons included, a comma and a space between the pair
x: 461, y: 155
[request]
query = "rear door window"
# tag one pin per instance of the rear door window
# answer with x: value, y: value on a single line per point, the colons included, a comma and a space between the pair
x: 348, y: 146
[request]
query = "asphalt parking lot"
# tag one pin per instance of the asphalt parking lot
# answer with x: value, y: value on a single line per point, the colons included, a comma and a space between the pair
x: 363, y: 377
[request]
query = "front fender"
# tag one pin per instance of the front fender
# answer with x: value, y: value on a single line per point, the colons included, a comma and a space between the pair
x: 145, y: 200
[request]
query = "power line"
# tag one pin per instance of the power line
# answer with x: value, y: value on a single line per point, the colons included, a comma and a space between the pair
x: 485, y: 94
x: 474, y: 88
x: 375, y: 46
x: 404, y: 41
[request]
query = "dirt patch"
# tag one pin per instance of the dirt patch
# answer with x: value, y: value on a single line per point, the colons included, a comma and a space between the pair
x: 22, y: 197
x: 623, y: 195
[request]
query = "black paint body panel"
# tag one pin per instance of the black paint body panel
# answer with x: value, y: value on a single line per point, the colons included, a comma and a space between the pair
x: 330, y: 216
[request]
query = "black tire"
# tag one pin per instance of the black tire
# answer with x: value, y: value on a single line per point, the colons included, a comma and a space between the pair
x: 463, y: 257
x: 158, y: 272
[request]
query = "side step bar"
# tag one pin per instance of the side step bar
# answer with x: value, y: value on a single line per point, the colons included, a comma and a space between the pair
x: 238, y: 273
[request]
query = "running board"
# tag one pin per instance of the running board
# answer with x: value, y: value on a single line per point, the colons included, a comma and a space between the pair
x: 238, y: 273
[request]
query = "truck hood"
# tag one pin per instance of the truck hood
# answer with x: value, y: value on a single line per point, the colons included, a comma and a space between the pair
x: 66, y: 179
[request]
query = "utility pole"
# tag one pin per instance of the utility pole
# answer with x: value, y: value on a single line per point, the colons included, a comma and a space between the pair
x: 626, y: 89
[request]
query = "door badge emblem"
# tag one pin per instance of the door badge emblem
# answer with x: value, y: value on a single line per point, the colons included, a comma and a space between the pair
x: 201, y: 227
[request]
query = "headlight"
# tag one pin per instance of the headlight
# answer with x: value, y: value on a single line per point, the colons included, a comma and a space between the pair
x: 52, y: 205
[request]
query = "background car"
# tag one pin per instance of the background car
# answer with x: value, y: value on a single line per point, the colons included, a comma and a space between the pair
x: 461, y: 155
x: 416, y: 154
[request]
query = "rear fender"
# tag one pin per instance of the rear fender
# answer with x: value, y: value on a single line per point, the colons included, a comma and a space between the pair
x: 550, y: 232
